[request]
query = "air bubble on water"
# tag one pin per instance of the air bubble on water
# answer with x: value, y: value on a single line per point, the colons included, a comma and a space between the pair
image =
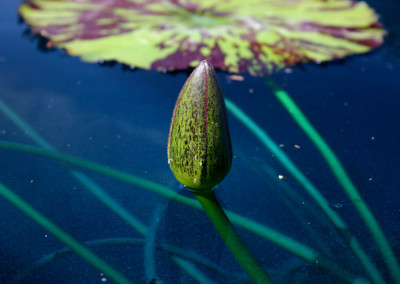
x: 288, y: 70
x: 162, y: 69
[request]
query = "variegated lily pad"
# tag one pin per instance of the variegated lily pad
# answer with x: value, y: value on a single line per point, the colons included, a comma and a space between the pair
x: 254, y: 36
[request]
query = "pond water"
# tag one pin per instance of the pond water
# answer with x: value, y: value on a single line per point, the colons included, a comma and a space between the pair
x: 119, y: 118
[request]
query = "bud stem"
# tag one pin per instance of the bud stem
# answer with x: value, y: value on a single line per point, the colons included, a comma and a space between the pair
x: 231, y: 238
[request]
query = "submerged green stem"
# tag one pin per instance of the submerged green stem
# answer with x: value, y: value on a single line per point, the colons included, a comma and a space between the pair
x: 62, y: 236
x: 174, y: 252
x: 95, y: 189
x: 342, y: 177
x: 315, y: 194
x: 291, y: 245
x: 231, y: 238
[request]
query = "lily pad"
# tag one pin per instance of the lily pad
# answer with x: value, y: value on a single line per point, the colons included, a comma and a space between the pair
x: 254, y: 36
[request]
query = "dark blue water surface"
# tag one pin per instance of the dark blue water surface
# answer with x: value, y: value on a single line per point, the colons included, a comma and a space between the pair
x: 120, y: 118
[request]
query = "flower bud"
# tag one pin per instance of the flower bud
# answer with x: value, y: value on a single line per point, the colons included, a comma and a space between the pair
x: 199, y: 143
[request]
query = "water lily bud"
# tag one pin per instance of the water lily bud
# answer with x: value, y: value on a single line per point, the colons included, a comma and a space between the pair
x: 199, y: 143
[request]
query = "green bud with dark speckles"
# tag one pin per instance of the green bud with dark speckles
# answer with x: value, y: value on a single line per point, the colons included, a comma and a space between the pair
x: 199, y: 143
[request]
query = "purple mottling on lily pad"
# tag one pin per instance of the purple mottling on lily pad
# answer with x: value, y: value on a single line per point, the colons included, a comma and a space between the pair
x: 186, y: 32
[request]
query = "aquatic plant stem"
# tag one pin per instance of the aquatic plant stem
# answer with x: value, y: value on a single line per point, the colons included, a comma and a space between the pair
x: 315, y: 194
x: 279, y: 239
x: 289, y: 244
x: 62, y: 236
x: 95, y: 189
x: 293, y: 202
x: 231, y: 238
x: 110, y: 202
x: 23, y: 126
x: 193, y: 271
x: 342, y: 177
x: 150, y: 245
x: 129, y: 242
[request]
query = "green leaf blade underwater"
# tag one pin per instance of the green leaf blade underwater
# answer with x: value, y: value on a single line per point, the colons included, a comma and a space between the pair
x: 199, y: 143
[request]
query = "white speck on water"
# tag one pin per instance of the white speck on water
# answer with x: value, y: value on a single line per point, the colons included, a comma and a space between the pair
x: 288, y: 70
x: 370, y: 179
x: 372, y: 137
